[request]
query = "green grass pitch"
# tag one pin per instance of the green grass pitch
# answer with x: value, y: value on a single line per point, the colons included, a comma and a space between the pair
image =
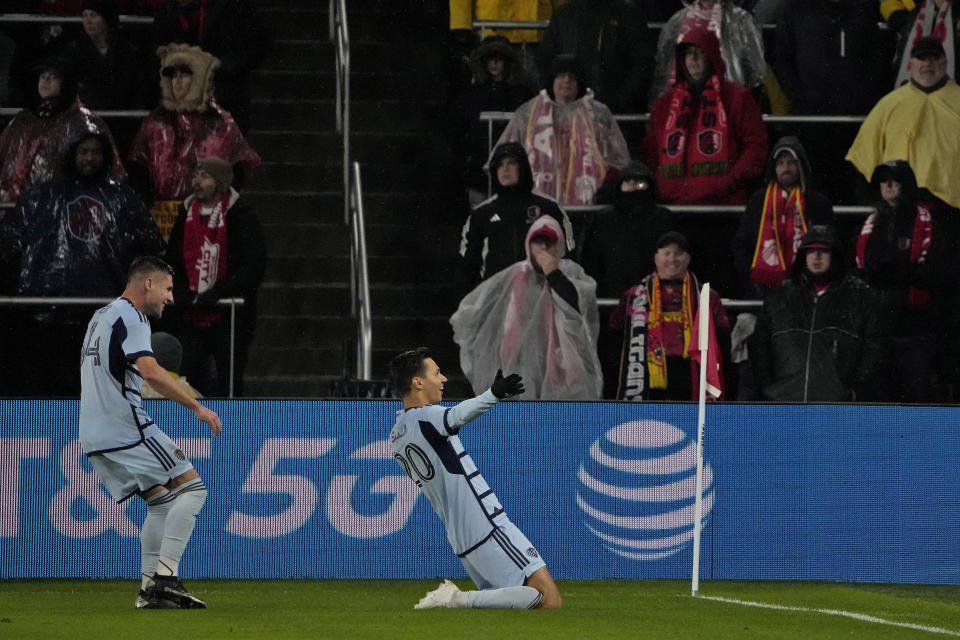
x: 358, y: 609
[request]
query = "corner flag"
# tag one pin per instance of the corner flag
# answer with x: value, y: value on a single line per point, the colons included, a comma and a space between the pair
x: 704, y: 335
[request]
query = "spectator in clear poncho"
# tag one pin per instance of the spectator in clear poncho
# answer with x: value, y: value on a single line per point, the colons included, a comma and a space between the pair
x: 741, y: 44
x: 187, y: 126
x: 33, y: 144
x: 572, y: 141
x: 537, y: 317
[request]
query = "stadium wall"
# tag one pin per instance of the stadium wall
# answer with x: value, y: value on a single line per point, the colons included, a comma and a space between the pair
x: 309, y: 489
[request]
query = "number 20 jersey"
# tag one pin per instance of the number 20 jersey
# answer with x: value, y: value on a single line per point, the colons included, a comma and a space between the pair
x: 430, y: 452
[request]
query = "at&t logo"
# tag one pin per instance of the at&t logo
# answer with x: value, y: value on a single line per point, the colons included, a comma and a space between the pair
x: 637, y: 489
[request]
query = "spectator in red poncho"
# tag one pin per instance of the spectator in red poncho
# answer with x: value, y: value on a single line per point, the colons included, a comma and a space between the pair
x: 188, y: 125
x: 33, y: 144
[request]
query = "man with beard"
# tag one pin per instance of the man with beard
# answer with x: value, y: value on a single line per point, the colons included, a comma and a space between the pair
x: 71, y: 236
x: 776, y: 219
x: 818, y: 337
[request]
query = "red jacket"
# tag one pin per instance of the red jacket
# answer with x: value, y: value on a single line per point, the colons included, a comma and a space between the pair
x: 747, y: 136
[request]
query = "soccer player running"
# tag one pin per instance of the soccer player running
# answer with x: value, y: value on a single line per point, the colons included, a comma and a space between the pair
x: 127, y: 450
x: 501, y: 561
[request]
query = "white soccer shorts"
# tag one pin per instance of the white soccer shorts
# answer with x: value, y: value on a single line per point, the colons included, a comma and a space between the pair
x: 155, y: 461
x: 505, y: 559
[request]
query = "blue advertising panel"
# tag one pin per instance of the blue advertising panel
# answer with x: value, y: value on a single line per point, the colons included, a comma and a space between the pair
x: 309, y: 489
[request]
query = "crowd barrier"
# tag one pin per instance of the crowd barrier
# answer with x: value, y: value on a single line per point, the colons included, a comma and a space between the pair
x: 310, y: 489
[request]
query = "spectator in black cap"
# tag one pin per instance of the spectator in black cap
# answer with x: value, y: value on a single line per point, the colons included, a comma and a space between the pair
x: 654, y: 321
x: 920, y: 122
x: 572, y: 140
x: 818, y: 337
x: 916, y: 19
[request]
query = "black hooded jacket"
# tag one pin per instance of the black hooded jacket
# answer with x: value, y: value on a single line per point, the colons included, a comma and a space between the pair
x: 817, y: 348
x: 819, y: 211
x: 621, y: 240
x: 494, y: 233
x: 886, y: 256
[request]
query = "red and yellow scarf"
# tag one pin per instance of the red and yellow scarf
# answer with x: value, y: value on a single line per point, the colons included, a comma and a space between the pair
x: 656, y: 349
x: 783, y: 224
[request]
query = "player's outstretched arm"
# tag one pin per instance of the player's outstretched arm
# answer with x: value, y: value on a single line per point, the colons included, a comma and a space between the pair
x: 158, y: 378
x: 501, y: 388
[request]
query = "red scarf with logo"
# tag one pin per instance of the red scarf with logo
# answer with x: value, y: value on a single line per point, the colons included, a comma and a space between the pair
x: 917, y: 299
x: 205, y: 253
x: 700, y: 148
x: 783, y: 224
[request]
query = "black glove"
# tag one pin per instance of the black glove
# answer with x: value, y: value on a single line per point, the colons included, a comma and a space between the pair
x: 502, y: 387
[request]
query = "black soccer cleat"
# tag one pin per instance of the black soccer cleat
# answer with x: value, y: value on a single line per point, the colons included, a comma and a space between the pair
x: 172, y: 589
x: 147, y: 601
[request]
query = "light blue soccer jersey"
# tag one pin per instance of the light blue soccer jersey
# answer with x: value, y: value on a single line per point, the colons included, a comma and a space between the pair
x: 425, y: 443
x: 111, y: 417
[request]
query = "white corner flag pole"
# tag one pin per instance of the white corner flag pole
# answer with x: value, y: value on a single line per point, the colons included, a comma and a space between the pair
x: 703, y: 342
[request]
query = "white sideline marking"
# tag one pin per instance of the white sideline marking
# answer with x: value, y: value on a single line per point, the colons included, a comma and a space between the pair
x: 834, y: 612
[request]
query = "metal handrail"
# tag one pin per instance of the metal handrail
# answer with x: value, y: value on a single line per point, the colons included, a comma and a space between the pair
x: 842, y: 210
x: 36, y: 17
x: 360, y: 278
x: 103, y: 113
x: 340, y: 36
x: 483, y: 25
x: 727, y: 303
x: 37, y: 301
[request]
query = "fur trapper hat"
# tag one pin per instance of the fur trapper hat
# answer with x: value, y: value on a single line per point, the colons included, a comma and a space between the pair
x: 200, y: 63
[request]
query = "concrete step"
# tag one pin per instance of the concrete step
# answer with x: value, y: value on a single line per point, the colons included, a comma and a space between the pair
x: 285, y: 84
x: 308, y: 55
x: 324, y: 147
x: 298, y: 22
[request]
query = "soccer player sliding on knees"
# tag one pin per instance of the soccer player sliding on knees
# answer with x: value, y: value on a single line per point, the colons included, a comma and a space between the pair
x: 502, y: 562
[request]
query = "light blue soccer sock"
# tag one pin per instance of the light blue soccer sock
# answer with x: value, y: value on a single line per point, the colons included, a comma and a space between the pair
x: 506, y: 598
x: 151, y: 534
x: 187, y: 500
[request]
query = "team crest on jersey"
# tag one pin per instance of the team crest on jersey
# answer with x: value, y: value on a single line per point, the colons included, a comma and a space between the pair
x: 532, y: 552
x: 533, y: 212
x: 179, y: 455
x: 85, y: 218
x: 708, y: 142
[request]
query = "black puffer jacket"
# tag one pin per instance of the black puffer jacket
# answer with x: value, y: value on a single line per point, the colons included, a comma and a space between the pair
x: 810, y: 348
x: 494, y: 234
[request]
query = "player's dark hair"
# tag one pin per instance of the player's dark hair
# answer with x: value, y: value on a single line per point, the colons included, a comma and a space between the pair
x: 145, y: 265
x: 405, y: 366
